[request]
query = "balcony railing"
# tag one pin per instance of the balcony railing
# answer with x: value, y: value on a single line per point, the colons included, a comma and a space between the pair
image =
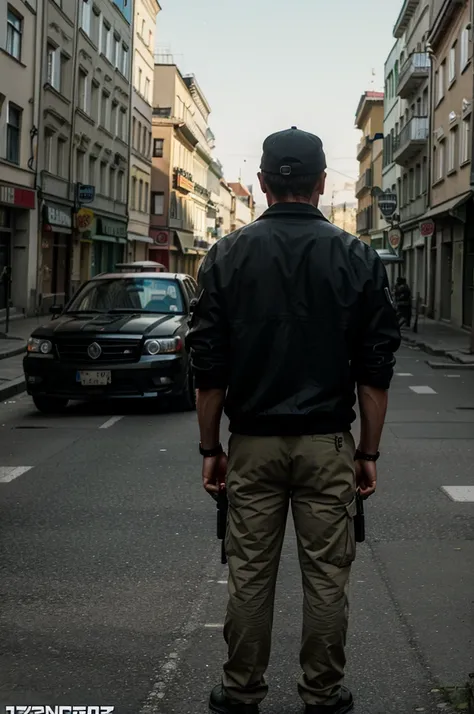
x: 364, y: 182
x: 413, y: 72
x: 364, y: 220
x: 164, y: 112
x: 414, y: 209
x: 412, y: 138
x: 362, y: 146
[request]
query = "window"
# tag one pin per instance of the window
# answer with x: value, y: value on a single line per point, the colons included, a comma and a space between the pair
x: 147, y: 195
x: 139, y: 135
x: 106, y: 44
x: 452, y: 153
x: 53, y: 65
x: 464, y: 50
x: 124, y: 67
x: 424, y: 175
x: 103, y: 109
x: 14, y: 31
x: 60, y: 156
x: 95, y: 101
x: 103, y: 178
x: 113, y: 118
x: 465, y: 141
x: 85, y: 21
x: 411, y: 185
x: 440, y: 162
x: 143, y: 29
x: 158, y: 145
x: 92, y: 169
x: 157, y: 204
x: 134, y: 129
x: 48, y: 150
x: 147, y: 89
x: 112, y: 182
x: 133, y: 194
x: 122, y: 125
x: 140, y: 195
x: 440, y: 82
x: 452, y: 64
x: 80, y: 161
x: 139, y: 81
x: 119, y: 185
x: 13, y: 133
x: 144, y: 140
x: 417, y: 180
x: 84, y: 99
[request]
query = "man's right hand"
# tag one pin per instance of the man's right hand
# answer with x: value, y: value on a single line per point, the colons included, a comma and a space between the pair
x: 366, y: 477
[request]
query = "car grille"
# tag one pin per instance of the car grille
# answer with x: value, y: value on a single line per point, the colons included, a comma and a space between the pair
x: 114, y: 350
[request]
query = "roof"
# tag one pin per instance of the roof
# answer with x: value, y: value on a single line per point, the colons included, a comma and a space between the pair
x: 156, y: 276
x: 239, y: 189
x: 367, y: 100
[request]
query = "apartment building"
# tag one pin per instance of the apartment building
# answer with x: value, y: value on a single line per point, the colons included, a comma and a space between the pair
x: 409, y: 147
x: 214, y: 212
x: 181, y: 158
x: 143, y: 67
x: 369, y: 119
x: 226, y: 203
x: 84, y: 131
x: 19, y: 101
x: 451, y: 243
x: 243, y: 206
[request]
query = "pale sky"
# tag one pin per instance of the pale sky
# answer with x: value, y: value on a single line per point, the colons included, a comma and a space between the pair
x: 265, y: 65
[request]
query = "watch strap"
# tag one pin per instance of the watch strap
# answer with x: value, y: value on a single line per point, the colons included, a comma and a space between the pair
x: 210, y: 453
x: 362, y: 456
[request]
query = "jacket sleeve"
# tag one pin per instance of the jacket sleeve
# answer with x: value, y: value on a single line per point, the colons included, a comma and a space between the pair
x: 379, y: 339
x: 208, y: 336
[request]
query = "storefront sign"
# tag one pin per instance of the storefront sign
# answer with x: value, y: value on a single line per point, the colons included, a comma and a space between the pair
x: 160, y: 238
x: 427, y: 228
x: 56, y: 216
x: 183, y: 183
x: 19, y: 197
x: 394, y: 238
x: 114, y: 229
x: 84, y: 220
x: 387, y: 203
x: 85, y: 194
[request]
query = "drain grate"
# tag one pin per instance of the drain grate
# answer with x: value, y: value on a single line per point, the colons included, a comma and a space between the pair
x: 31, y: 427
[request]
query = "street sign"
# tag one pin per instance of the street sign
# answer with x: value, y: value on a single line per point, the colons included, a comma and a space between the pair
x: 387, y: 203
x: 394, y: 238
x: 84, y: 220
x: 427, y: 228
x: 85, y: 193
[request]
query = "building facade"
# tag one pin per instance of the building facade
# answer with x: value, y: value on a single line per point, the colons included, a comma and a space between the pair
x: 141, y: 147
x: 369, y: 119
x: 19, y: 107
x: 243, y: 205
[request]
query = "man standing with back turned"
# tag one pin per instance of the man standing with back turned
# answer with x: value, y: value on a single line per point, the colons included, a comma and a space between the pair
x: 293, y: 316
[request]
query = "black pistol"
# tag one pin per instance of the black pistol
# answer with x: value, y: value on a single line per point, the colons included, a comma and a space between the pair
x: 359, y: 519
x: 222, y: 508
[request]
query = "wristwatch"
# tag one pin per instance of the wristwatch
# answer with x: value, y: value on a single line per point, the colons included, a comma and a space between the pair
x: 210, y: 453
x: 361, y: 456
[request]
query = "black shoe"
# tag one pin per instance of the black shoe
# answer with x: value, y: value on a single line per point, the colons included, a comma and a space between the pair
x: 221, y: 704
x: 345, y: 704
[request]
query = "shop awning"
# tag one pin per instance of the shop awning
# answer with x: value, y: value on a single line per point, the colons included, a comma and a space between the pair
x: 139, y: 238
x: 387, y: 256
x: 448, y: 206
x: 185, y: 240
x: 109, y: 239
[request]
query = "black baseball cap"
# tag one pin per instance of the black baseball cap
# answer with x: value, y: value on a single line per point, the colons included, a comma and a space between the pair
x: 293, y: 153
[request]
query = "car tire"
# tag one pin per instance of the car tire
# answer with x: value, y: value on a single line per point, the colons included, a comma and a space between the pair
x: 50, y: 405
x: 186, y: 401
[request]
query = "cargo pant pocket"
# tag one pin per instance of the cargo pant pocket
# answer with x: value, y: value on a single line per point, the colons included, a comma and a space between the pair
x: 340, y: 548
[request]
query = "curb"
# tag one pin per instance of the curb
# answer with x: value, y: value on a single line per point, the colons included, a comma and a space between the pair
x: 13, y: 352
x: 14, y: 386
x: 456, y: 361
x: 449, y: 365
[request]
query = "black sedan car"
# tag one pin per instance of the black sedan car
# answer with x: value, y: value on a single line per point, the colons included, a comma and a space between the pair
x: 121, y: 335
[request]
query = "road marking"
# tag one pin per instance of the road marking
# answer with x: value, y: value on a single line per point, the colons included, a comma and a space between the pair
x: 452, y: 376
x: 460, y: 494
x: 8, y: 473
x: 222, y: 582
x: 404, y: 374
x: 110, y: 422
x: 423, y: 390
x: 214, y: 625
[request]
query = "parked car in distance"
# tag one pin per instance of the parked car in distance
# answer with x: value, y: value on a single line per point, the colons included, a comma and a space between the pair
x: 121, y: 335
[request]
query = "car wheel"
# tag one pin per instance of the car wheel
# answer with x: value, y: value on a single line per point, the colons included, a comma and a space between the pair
x: 50, y: 405
x: 186, y: 401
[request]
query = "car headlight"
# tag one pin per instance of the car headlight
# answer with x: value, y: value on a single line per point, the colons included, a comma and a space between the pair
x: 39, y: 345
x: 163, y: 346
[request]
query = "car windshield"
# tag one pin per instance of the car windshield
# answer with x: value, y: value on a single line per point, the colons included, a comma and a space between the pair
x: 137, y: 294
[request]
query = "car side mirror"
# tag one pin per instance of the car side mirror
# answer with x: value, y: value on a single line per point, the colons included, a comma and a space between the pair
x: 56, y: 309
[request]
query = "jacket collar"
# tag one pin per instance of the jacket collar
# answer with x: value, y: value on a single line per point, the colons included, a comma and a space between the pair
x: 295, y: 210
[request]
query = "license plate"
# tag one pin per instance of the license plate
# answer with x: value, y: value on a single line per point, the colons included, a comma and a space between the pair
x: 94, y: 379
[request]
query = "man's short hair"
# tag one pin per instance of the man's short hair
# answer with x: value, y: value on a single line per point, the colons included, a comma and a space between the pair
x: 282, y: 187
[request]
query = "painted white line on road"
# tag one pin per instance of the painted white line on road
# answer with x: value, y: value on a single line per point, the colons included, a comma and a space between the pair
x: 8, y: 473
x: 222, y: 582
x: 423, y: 390
x: 452, y: 376
x: 214, y: 625
x: 404, y: 374
x: 460, y: 494
x: 110, y: 422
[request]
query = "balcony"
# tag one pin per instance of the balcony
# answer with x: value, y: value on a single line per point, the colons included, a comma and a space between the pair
x: 413, y: 73
x: 362, y: 146
x: 364, y: 221
x: 412, y: 138
x: 164, y: 112
x: 406, y: 13
x: 364, y: 183
x: 414, y: 209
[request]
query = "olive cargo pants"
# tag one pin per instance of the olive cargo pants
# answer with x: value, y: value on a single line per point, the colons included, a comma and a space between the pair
x: 265, y: 474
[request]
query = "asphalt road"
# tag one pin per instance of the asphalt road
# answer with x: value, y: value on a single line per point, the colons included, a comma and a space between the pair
x: 111, y: 587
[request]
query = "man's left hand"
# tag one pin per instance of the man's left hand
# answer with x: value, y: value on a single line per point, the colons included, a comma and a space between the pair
x: 214, y: 472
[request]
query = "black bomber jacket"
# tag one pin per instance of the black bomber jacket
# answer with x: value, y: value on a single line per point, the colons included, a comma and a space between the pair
x: 292, y: 313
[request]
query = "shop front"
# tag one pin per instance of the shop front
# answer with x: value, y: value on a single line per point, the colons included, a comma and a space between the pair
x: 139, y: 246
x: 160, y: 248
x: 16, y: 206
x: 109, y: 245
x: 56, y: 255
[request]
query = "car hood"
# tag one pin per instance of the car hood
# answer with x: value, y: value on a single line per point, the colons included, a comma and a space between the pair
x: 149, y: 325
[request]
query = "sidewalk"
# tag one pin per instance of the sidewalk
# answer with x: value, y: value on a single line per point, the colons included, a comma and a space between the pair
x: 12, y: 349
x: 441, y: 340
